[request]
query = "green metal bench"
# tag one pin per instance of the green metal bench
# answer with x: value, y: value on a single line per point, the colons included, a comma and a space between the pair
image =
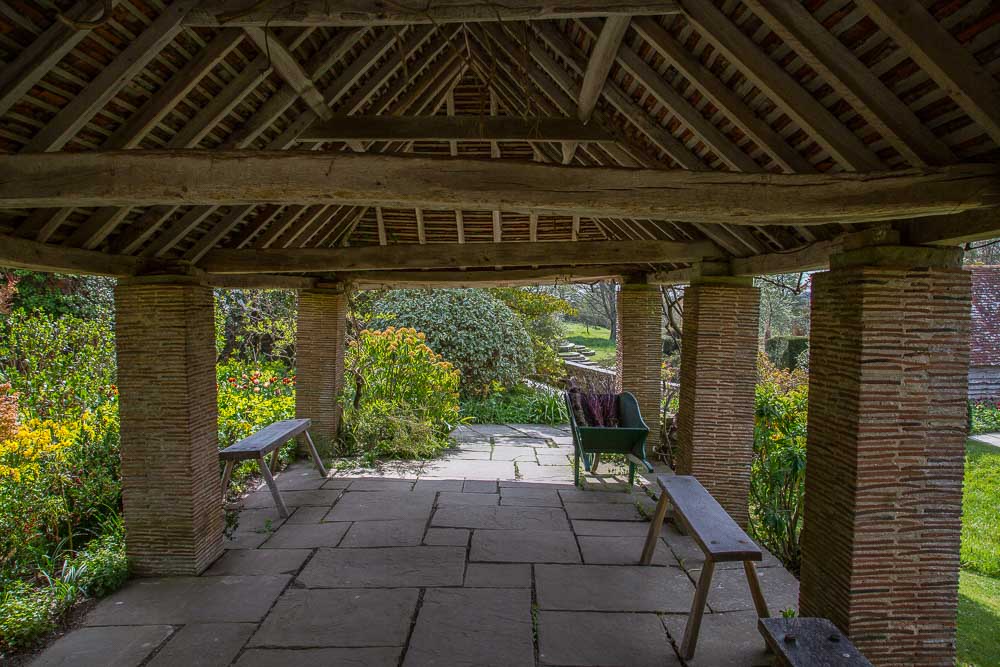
x: 628, y: 438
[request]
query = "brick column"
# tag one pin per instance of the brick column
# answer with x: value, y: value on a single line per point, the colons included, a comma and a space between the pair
x: 718, y: 375
x: 319, y: 360
x: 887, y: 425
x: 165, y: 338
x: 640, y: 351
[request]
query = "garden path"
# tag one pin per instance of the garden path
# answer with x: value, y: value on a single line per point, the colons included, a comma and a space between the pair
x: 987, y: 438
x: 487, y: 555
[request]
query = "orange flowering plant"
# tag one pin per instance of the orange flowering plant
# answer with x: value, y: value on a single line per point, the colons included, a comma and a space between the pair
x: 400, y: 397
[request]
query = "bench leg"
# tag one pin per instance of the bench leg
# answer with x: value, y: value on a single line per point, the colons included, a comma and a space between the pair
x: 697, y: 610
x: 278, y: 502
x: 758, y: 596
x: 315, y: 455
x: 227, y: 472
x: 274, y: 459
x: 654, y: 531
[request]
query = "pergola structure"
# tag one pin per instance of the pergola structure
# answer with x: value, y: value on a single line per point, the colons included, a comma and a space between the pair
x: 328, y: 144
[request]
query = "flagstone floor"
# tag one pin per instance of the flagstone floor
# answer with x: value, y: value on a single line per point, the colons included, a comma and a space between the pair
x: 486, y: 556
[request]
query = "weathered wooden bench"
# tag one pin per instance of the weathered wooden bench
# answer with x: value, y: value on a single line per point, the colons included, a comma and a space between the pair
x: 269, y: 440
x: 804, y: 642
x: 718, y: 536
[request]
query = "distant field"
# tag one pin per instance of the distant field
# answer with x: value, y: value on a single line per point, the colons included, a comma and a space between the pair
x: 596, y: 338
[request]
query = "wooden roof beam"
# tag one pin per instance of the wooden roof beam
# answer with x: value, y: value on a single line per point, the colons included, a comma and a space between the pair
x: 486, y: 278
x: 111, y: 79
x: 139, y: 178
x: 794, y: 100
x: 857, y: 84
x: 289, y: 69
x: 38, y: 58
x: 215, y: 13
x: 947, y: 62
x: 452, y: 128
x: 450, y: 255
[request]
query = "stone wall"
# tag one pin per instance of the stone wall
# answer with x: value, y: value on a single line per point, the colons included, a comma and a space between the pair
x: 718, y: 376
x: 887, y: 421
x: 171, y: 489
x: 586, y: 375
x: 319, y: 360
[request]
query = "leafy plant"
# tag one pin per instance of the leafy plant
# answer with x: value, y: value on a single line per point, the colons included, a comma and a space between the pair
x: 984, y: 416
x: 777, y: 472
x: 476, y: 332
x: 522, y: 404
x: 402, y: 398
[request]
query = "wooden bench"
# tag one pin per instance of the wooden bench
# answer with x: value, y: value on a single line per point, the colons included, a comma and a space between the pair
x: 720, y: 539
x: 802, y: 642
x: 257, y: 446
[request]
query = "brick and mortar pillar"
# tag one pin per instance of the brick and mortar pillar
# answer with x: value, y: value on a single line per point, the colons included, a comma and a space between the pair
x: 718, y: 375
x: 165, y: 338
x: 887, y: 424
x: 319, y: 360
x: 640, y: 351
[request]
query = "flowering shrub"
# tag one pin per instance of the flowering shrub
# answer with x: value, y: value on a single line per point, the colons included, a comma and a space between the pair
x: 400, y: 398
x: 476, y: 332
x: 777, y: 473
x: 8, y: 411
x: 984, y: 416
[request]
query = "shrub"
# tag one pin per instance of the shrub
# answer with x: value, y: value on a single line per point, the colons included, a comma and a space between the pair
x: 59, y: 366
x: 784, y: 351
x: 474, y: 331
x: 249, y: 398
x: 984, y: 416
x: 521, y: 404
x: 777, y: 473
x: 401, y: 398
x: 26, y: 614
x: 539, y: 312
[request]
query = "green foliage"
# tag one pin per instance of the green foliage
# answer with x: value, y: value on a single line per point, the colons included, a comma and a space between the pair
x: 476, y: 332
x: 980, y: 518
x: 86, y: 297
x: 521, y: 404
x: 540, y: 313
x: 777, y: 473
x: 102, y: 566
x: 60, y: 366
x: 401, y: 399
x: 250, y: 397
x: 978, y: 620
x: 984, y: 416
x: 255, y: 325
x: 26, y: 614
x: 784, y: 351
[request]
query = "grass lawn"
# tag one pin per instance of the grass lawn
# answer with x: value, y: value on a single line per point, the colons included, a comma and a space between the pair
x: 979, y: 589
x: 596, y: 338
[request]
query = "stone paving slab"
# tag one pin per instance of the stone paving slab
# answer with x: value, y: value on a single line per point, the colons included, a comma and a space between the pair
x: 730, y: 591
x: 182, y: 600
x: 545, y: 501
x: 461, y: 498
x: 321, y: 497
x: 599, y: 550
x: 479, y: 486
x: 603, y: 511
x: 306, y: 536
x: 381, y: 485
x: 611, y: 528
x: 99, y: 647
x: 395, y: 533
x: 595, y: 639
x: 725, y: 640
x: 533, y: 472
x: 447, y: 537
x: 204, y: 645
x: 468, y: 626
x: 456, y: 469
x: 519, y: 454
x: 498, y: 575
x: 382, y: 506
x: 385, y: 568
x: 612, y: 497
x: 258, y: 561
x: 613, y: 588
x: 321, y: 657
x: 435, y: 485
x: 478, y: 454
x: 524, y: 546
x: 552, y: 459
x: 518, y: 441
x: 501, y: 518
x: 493, y: 430
x: 299, y: 478
x: 344, y: 618
x: 308, y: 514
x: 541, y: 430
